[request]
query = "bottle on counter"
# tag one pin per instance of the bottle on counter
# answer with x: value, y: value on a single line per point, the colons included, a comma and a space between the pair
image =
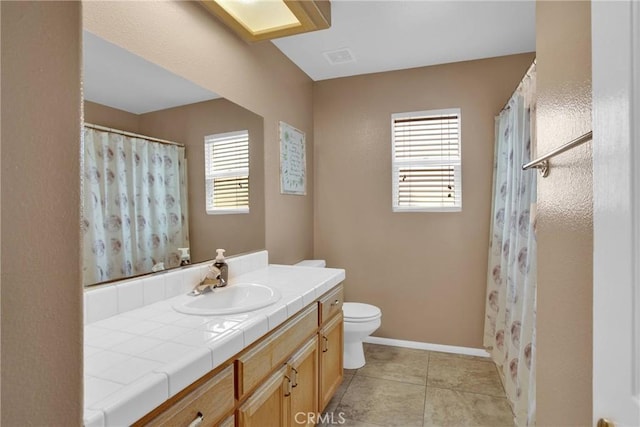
x: 221, y: 265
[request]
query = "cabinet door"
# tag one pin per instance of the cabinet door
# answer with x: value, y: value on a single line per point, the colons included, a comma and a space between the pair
x: 267, y: 406
x: 331, y: 342
x: 303, y: 367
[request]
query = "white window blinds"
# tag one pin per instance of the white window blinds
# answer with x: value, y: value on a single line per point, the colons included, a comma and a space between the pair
x: 226, y: 166
x: 427, y: 161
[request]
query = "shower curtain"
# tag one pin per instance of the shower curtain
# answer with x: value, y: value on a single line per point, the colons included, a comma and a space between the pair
x: 509, y: 332
x: 134, y: 205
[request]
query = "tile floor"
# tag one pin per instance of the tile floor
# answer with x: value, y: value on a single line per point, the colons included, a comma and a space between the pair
x: 407, y: 387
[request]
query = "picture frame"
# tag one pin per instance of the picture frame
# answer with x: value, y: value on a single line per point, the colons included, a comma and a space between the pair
x: 293, y: 161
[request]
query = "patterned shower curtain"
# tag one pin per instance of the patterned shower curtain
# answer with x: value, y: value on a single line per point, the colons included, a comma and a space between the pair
x: 134, y: 205
x: 509, y: 332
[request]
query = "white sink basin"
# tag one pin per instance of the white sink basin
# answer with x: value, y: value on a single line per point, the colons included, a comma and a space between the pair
x: 232, y: 299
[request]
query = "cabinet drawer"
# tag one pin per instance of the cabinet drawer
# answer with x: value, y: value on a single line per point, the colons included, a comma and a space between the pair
x: 331, y: 303
x: 213, y: 399
x: 255, y: 364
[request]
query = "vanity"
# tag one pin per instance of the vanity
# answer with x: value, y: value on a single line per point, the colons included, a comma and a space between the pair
x: 275, y: 366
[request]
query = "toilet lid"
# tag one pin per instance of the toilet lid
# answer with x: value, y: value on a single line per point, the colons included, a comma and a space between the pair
x: 359, y: 312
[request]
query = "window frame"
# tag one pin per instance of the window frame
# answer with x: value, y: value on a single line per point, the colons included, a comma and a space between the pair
x: 209, y: 179
x: 425, y: 162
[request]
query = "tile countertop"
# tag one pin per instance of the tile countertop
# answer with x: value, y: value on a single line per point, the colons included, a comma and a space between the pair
x: 136, y: 360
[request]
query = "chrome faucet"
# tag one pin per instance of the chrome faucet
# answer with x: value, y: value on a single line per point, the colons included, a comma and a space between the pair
x: 211, y: 281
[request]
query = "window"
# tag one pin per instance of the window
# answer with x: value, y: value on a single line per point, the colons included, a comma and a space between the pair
x: 426, y: 161
x: 226, y: 169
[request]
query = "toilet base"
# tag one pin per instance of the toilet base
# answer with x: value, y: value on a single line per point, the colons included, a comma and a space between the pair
x: 353, y: 355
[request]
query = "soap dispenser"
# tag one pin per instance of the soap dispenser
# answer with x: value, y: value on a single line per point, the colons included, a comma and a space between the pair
x: 221, y: 265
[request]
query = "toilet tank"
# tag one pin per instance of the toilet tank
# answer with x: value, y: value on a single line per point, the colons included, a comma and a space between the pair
x: 312, y: 263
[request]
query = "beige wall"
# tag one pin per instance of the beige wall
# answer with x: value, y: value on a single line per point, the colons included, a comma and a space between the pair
x: 102, y: 115
x: 564, y: 224
x: 0, y: 235
x: 186, y: 40
x: 426, y: 271
x: 41, y: 330
x: 190, y: 124
x: 41, y: 292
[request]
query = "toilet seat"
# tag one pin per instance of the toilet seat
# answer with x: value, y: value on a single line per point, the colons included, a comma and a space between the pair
x: 356, y: 312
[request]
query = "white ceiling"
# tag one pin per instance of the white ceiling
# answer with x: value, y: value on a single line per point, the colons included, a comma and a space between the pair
x: 394, y: 35
x: 115, y: 77
x: 381, y: 35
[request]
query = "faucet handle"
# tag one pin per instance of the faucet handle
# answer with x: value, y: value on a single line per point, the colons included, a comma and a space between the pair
x: 213, y: 279
x: 216, y: 274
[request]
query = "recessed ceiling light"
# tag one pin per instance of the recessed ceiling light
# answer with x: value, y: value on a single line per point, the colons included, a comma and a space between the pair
x: 256, y: 20
x: 259, y: 17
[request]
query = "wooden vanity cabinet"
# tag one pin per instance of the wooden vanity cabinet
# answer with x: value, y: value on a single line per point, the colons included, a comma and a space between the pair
x: 330, y: 304
x: 209, y: 399
x: 303, y: 372
x: 331, y: 338
x: 283, y: 380
x: 267, y: 405
x: 288, y: 396
x: 254, y: 364
x: 228, y: 422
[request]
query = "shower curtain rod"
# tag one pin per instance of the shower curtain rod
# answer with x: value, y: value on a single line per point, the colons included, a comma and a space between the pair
x: 135, y: 135
x: 542, y: 163
x: 527, y: 74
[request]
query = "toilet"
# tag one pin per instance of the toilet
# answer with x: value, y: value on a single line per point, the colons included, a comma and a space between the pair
x: 360, y: 321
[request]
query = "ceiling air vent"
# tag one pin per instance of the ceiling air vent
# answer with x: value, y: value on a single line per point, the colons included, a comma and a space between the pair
x: 339, y: 56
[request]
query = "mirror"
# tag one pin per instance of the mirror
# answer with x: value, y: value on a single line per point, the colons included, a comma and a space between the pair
x: 124, y: 92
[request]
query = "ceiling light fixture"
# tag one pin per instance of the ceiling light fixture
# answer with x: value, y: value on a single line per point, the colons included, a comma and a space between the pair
x: 257, y: 20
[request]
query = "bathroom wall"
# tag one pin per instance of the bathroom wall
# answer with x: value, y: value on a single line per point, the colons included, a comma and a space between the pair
x: 103, y: 115
x: 42, y: 319
x: 565, y: 215
x: 41, y: 294
x: 186, y: 40
x: 189, y: 124
x: 0, y: 235
x: 426, y: 271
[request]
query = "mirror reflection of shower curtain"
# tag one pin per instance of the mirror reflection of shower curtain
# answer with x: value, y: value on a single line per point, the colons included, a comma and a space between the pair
x: 509, y: 330
x: 134, y: 205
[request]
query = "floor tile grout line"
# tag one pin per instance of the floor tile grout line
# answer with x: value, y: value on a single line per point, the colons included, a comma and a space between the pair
x: 467, y: 392
x: 426, y: 385
x: 383, y: 379
x: 345, y: 392
x: 396, y: 381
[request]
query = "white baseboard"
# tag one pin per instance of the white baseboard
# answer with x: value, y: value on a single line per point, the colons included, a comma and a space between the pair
x: 428, y: 346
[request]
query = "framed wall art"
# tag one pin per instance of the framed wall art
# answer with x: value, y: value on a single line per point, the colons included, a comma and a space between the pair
x: 293, y: 162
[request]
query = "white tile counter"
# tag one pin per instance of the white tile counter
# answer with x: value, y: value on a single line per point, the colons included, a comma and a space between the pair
x: 137, y: 359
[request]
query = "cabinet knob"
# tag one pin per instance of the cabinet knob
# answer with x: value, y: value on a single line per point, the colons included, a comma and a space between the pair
x: 198, y: 421
x: 336, y: 302
x: 326, y: 344
x: 603, y: 422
